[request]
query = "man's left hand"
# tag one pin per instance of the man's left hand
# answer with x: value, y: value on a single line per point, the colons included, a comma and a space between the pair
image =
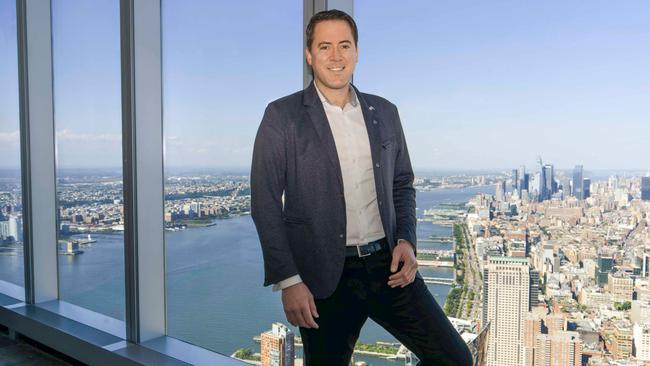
x: 403, y: 252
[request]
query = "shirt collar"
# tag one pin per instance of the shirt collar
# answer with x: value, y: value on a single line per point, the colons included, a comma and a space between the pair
x: 354, y: 101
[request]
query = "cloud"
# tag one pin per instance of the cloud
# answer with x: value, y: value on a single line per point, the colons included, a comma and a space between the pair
x: 67, y: 135
x: 9, y: 137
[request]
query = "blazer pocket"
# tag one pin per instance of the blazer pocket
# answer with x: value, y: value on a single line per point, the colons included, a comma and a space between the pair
x: 296, y: 220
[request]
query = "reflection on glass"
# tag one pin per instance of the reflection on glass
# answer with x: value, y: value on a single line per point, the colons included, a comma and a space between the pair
x: 86, y: 62
x: 223, y: 62
x: 11, y: 221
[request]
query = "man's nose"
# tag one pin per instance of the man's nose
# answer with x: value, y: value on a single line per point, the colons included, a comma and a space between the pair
x: 336, y: 54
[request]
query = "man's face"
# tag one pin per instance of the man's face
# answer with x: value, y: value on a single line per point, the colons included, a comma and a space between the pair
x: 333, y: 54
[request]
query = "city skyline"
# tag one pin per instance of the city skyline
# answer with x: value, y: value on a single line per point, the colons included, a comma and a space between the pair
x: 493, y: 79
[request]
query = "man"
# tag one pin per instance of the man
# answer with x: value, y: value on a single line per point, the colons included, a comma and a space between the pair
x: 334, y: 206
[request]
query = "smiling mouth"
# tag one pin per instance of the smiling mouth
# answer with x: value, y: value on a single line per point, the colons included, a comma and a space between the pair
x: 336, y: 69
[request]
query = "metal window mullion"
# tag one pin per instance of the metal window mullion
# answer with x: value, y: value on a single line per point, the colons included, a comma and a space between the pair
x: 38, y: 161
x: 143, y: 169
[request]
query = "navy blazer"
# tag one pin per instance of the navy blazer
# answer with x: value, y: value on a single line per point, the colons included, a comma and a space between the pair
x: 295, y: 154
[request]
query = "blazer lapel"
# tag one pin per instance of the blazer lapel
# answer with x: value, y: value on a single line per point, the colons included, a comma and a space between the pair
x: 372, y: 126
x: 319, y: 119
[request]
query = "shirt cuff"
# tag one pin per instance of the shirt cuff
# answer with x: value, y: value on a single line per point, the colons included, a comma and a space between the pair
x: 293, y: 280
x: 404, y: 240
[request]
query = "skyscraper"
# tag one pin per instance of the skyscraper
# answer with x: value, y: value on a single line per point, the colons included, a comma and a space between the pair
x: 525, y: 181
x: 534, y: 287
x: 586, y: 188
x: 645, y: 188
x: 277, y: 346
x: 505, y: 302
x: 500, y: 191
x: 561, y: 348
x: 541, y: 194
x: 551, y: 186
x: 515, y: 179
x: 578, y: 182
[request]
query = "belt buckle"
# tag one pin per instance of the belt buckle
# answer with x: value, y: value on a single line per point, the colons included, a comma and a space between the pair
x: 359, y: 251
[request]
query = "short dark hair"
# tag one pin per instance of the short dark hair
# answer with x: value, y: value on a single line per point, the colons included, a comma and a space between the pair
x: 330, y: 15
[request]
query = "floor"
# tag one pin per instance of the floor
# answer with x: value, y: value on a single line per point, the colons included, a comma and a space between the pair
x: 17, y: 352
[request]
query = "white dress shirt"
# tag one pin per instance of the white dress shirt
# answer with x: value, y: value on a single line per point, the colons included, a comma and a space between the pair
x: 363, y: 221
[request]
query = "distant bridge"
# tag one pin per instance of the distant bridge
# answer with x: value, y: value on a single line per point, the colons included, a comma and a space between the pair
x: 439, y: 280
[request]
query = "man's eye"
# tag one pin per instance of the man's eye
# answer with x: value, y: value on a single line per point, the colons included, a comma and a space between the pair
x: 323, y: 48
x: 346, y: 46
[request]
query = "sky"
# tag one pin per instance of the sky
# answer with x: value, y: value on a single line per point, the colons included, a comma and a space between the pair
x: 479, y: 85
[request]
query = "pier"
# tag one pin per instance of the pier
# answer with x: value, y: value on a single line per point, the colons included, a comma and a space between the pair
x: 439, y: 280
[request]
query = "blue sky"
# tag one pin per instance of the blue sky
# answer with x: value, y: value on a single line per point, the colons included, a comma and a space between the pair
x: 479, y: 84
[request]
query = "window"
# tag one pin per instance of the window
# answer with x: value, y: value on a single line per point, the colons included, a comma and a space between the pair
x: 86, y: 69
x: 11, y: 223
x: 222, y: 63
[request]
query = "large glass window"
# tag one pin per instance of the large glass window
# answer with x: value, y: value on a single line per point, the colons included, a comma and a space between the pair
x: 223, y: 62
x: 503, y: 105
x: 11, y: 226
x: 86, y: 67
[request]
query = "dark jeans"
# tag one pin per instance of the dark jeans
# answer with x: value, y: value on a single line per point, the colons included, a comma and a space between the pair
x: 410, y: 314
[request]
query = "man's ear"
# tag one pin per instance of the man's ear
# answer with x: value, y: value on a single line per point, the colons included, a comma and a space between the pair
x: 308, y: 56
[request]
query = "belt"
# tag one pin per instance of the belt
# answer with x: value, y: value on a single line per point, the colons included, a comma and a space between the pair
x: 364, y: 250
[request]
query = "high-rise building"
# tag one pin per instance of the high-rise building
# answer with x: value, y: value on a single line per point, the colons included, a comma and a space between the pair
x: 586, y: 188
x: 532, y: 327
x: 605, y: 265
x: 501, y: 191
x: 525, y: 182
x: 578, y: 182
x: 534, y: 287
x: 558, y: 348
x: 515, y: 179
x: 277, y: 346
x: 641, y: 339
x: 645, y: 188
x: 507, y: 297
x: 551, y: 186
x: 541, y: 193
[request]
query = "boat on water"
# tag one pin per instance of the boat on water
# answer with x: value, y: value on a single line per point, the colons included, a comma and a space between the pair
x: 66, y: 247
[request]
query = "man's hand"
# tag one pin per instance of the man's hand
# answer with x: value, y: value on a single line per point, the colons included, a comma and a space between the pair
x: 403, y: 252
x: 299, y: 306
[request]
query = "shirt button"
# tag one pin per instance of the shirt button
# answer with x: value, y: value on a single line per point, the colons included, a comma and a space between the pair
x: 340, y: 235
x: 377, y: 165
x: 374, y: 122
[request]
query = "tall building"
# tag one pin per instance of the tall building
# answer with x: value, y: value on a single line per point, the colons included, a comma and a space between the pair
x: 501, y: 191
x: 534, y: 287
x: 507, y: 285
x: 541, y: 193
x: 551, y: 186
x: 578, y: 182
x: 586, y: 188
x: 558, y: 348
x: 532, y: 327
x: 605, y: 265
x: 277, y: 346
x: 515, y: 179
x: 641, y: 337
x: 525, y: 182
x: 645, y: 188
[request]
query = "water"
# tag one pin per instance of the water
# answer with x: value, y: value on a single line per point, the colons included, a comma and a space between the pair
x: 215, y: 297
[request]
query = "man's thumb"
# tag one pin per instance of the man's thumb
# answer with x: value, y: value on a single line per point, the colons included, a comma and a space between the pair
x: 394, y: 263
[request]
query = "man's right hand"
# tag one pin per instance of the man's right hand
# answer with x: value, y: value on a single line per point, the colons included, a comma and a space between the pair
x: 299, y: 306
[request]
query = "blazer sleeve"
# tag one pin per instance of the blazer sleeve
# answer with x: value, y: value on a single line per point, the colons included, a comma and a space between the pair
x: 403, y: 191
x: 267, y: 181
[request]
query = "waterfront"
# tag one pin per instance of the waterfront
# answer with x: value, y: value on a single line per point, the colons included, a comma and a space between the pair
x: 214, y: 280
